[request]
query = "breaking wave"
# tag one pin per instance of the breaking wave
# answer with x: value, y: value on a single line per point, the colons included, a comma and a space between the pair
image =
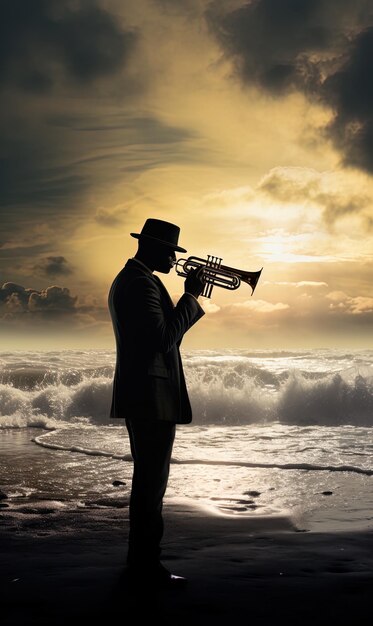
x: 299, y: 388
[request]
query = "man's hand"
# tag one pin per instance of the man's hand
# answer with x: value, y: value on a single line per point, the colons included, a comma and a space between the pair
x: 194, y: 282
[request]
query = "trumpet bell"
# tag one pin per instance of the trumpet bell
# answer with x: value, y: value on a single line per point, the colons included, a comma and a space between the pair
x: 251, y: 278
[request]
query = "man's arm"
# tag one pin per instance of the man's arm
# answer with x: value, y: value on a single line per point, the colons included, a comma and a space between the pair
x: 163, y: 332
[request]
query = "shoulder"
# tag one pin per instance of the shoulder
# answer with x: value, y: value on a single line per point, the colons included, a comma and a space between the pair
x: 131, y: 272
x: 134, y: 280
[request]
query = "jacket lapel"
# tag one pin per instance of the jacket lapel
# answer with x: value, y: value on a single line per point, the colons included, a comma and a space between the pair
x: 164, y: 293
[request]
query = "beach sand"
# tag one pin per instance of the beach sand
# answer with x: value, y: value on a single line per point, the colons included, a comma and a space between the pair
x: 70, y: 569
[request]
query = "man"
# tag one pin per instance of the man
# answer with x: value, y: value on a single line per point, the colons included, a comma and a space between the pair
x: 149, y: 385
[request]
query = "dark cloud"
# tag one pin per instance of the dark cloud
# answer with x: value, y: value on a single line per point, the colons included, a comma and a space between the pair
x: 350, y: 92
x: 16, y: 292
x: 321, y: 47
x: 56, y: 55
x: 17, y: 302
x: 54, y: 266
x: 9, y: 253
x: 44, y: 42
x: 270, y: 40
x: 29, y: 178
x: 68, y: 71
x: 53, y: 299
x: 53, y: 306
x: 49, y: 163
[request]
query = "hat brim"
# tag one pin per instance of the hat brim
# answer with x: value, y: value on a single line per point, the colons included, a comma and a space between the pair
x: 165, y: 243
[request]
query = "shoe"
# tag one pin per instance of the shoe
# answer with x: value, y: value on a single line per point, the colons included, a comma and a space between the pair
x: 165, y: 577
x: 155, y: 576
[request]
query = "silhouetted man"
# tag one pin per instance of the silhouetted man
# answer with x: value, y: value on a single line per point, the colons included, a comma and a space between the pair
x: 149, y: 385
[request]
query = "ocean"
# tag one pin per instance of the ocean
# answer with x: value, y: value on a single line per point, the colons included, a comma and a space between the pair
x: 274, y: 433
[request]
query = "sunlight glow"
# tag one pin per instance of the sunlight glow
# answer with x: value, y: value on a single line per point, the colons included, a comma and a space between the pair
x: 283, y: 248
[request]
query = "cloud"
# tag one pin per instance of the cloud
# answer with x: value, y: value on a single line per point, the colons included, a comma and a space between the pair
x: 300, y: 284
x: 331, y: 191
x: 54, y: 266
x: 56, y: 300
x: 210, y: 307
x: 47, y: 42
x: 52, y: 162
x: 290, y: 184
x: 13, y: 249
x: 320, y: 47
x: 229, y: 196
x: 319, y: 318
x: 311, y: 283
x: 74, y: 126
x: 350, y: 93
x: 58, y: 55
x: 111, y: 219
x: 191, y: 8
x: 18, y: 293
x: 27, y: 251
x: 32, y: 173
x: 258, y: 306
x: 18, y: 302
x: 358, y: 305
x: 54, y: 308
x: 270, y: 41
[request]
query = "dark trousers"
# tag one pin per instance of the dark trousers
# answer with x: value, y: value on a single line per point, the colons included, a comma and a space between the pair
x: 151, y: 448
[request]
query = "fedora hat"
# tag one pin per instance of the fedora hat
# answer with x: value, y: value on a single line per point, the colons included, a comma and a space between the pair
x: 161, y: 232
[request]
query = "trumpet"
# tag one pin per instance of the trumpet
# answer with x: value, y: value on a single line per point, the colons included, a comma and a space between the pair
x: 216, y: 274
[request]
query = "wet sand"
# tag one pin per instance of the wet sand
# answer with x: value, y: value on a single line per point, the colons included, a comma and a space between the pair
x: 70, y: 569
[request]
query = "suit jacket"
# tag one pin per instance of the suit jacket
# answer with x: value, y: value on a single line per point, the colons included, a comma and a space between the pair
x: 149, y: 380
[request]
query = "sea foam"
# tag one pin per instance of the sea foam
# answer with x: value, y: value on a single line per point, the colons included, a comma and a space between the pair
x: 304, y: 388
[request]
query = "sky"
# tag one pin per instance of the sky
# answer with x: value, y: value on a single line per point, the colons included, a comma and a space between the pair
x: 247, y: 123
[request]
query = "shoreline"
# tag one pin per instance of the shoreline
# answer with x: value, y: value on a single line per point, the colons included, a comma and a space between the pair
x: 43, y: 492
x: 237, y: 568
x: 67, y: 566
